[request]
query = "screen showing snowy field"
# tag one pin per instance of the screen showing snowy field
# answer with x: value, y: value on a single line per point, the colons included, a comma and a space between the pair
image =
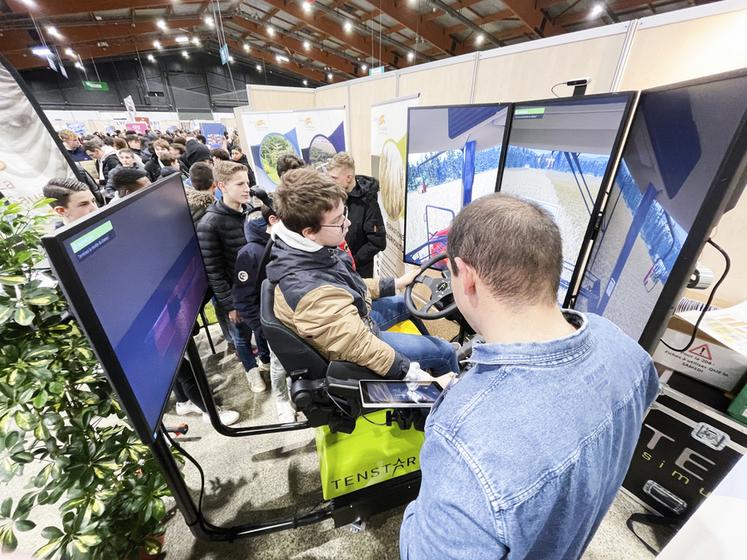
x: 453, y: 157
x: 557, y: 156
x: 140, y: 266
x: 671, y: 159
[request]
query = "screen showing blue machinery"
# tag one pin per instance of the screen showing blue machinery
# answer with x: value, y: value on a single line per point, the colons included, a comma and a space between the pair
x: 453, y: 157
x: 558, y: 155
x: 134, y: 275
x: 670, y: 168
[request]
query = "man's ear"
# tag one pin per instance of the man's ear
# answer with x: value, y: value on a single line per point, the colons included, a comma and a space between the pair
x: 60, y: 211
x: 273, y: 219
x: 467, y: 275
x: 309, y: 233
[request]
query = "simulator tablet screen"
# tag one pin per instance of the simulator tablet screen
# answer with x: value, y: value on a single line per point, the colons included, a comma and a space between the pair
x: 394, y: 394
x: 453, y: 156
x: 557, y: 156
x: 673, y: 152
x: 143, y: 273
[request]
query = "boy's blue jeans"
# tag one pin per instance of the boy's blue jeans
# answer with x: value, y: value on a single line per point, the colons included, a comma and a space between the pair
x: 432, y: 353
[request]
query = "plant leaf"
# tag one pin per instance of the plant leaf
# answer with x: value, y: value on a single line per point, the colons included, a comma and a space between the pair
x: 12, y: 280
x: 5, y: 507
x: 51, y: 533
x: 25, y: 525
x: 24, y: 316
x: 8, y: 540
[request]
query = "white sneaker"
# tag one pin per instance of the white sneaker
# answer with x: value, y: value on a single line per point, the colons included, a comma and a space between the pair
x: 256, y: 383
x: 285, y: 411
x: 187, y: 407
x: 227, y: 417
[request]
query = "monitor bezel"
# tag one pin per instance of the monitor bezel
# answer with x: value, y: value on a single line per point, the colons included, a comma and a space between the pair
x: 88, y: 320
x: 501, y: 160
x: 617, y: 144
x: 732, y: 174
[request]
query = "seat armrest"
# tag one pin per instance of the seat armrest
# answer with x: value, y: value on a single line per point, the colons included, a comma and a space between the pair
x: 349, y: 371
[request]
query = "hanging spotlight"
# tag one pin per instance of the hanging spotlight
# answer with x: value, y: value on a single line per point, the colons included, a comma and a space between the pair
x: 596, y: 10
x: 230, y: 58
x: 280, y: 58
x: 410, y: 56
x: 208, y: 21
x: 479, y: 39
x: 161, y: 25
x: 157, y: 44
x: 306, y: 82
x: 329, y: 76
x: 69, y: 52
x: 270, y: 30
x: 247, y: 48
x: 185, y: 54
x: 196, y: 42
x: 347, y: 26
x: 258, y: 67
x: 182, y: 39
x: 52, y: 30
x: 306, y: 45
x: 306, y: 5
x: 151, y: 58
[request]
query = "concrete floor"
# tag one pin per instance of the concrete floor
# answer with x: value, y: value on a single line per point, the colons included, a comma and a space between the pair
x: 274, y: 476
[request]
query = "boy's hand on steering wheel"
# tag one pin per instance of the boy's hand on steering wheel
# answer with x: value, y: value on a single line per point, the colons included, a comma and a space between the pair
x: 406, y: 279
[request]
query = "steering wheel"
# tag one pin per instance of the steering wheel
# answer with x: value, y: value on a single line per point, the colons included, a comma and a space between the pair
x: 440, y: 289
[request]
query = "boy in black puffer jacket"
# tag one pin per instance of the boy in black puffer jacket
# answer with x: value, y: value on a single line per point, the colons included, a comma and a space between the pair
x: 220, y: 233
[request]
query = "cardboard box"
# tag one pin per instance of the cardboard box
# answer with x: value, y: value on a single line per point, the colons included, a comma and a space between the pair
x: 706, y: 360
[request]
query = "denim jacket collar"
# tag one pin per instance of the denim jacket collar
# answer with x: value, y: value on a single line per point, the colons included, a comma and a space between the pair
x: 558, y: 351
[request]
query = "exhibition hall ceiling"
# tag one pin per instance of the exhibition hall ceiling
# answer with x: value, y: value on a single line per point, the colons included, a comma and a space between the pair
x: 321, y: 41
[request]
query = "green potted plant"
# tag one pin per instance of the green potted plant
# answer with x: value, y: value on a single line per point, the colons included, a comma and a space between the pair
x: 57, y: 410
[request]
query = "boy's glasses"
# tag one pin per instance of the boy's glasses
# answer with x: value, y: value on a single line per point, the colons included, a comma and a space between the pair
x: 342, y: 225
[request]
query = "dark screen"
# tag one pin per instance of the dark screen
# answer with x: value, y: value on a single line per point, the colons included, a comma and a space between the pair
x: 675, y: 147
x: 557, y: 156
x: 141, y: 268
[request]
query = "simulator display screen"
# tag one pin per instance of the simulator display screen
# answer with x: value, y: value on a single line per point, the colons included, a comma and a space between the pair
x: 674, y: 149
x: 558, y: 153
x: 142, y: 270
x: 453, y: 155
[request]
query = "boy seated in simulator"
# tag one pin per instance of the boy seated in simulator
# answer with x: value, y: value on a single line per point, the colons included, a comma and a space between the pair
x: 322, y: 299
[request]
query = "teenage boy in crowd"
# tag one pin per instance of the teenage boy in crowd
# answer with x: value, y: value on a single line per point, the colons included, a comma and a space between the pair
x: 135, y: 143
x: 71, y: 199
x: 525, y: 453
x: 72, y: 145
x: 178, y: 150
x: 154, y: 165
x: 321, y: 298
x: 195, y: 151
x: 105, y: 156
x: 128, y: 180
x: 246, y: 299
x: 238, y: 156
x: 367, y: 233
x: 220, y: 233
x: 127, y: 160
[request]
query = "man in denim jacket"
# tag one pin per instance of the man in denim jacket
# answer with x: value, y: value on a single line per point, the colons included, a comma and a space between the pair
x: 524, y: 454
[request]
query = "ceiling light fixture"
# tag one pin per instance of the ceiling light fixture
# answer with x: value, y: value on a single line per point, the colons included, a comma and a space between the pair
x: 329, y: 76
x: 161, y: 24
x: 364, y: 68
x: 209, y: 21
x: 79, y: 66
x: 185, y: 54
x: 230, y: 58
x: 196, y: 42
x: 41, y: 51
x: 270, y: 30
x: 182, y: 39
x: 281, y: 58
x: 306, y: 5
x: 157, y: 44
x: 69, y: 52
x: 151, y: 58
x: 410, y: 56
x: 52, y: 30
x: 247, y: 48
x: 347, y: 26
x: 306, y: 82
x: 306, y: 45
x: 258, y: 67
x: 479, y: 39
x: 596, y: 10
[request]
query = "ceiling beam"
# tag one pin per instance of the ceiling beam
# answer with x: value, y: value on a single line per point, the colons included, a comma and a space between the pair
x: 436, y: 13
x: 533, y: 17
x: 283, y: 40
x: 497, y: 16
x: 619, y: 6
x: 293, y: 67
x: 73, y: 34
x: 48, y: 8
x: 431, y: 32
x: 363, y: 44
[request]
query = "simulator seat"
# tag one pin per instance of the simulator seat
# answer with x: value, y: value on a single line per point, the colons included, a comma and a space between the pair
x: 327, y: 392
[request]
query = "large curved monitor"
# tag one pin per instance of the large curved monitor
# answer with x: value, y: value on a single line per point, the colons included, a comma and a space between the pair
x: 453, y: 157
x: 683, y: 163
x: 134, y: 277
x: 558, y: 155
